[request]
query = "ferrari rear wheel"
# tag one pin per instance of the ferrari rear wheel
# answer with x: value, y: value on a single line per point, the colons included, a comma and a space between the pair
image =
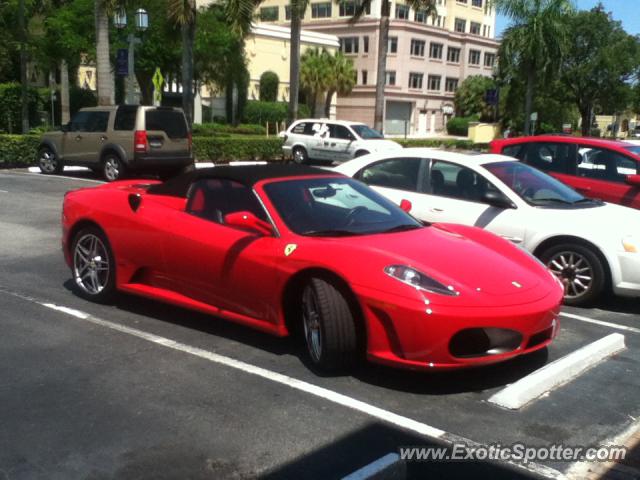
x: 328, y: 325
x: 93, y: 265
x: 579, y: 269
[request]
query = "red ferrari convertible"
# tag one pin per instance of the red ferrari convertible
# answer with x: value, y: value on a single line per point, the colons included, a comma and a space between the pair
x: 289, y: 249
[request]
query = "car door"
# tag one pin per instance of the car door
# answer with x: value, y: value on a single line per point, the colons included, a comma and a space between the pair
x: 95, y: 137
x: 395, y: 178
x: 73, y: 139
x: 316, y: 140
x: 222, y: 266
x: 601, y: 173
x: 454, y: 194
x: 340, y: 142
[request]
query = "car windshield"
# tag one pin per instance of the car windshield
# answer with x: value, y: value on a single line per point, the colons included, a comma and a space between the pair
x: 367, y: 133
x: 634, y: 149
x: 334, y: 206
x: 535, y: 187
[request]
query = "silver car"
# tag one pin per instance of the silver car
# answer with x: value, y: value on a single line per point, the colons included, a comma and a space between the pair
x: 333, y: 140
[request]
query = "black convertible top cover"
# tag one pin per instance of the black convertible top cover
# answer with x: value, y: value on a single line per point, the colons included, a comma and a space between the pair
x: 248, y: 175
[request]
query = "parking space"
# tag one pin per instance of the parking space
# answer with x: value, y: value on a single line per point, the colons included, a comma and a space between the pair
x: 85, y: 394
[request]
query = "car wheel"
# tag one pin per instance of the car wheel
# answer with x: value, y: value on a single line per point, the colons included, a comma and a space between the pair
x: 300, y: 155
x: 580, y: 269
x: 360, y: 153
x: 112, y: 168
x: 48, y: 161
x: 93, y: 265
x: 328, y: 325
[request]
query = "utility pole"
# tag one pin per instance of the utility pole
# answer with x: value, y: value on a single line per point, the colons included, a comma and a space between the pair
x: 23, y: 67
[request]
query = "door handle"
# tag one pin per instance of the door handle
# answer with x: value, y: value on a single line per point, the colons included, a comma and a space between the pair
x: 585, y: 189
x: 512, y: 239
x: 103, y: 138
x: 436, y: 209
x: 78, y: 138
x: 326, y: 144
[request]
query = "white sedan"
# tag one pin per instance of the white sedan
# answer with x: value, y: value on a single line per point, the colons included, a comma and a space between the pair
x: 590, y: 245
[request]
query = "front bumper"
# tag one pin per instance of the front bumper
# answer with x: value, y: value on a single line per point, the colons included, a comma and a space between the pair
x: 628, y: 282
x: 412, y: 334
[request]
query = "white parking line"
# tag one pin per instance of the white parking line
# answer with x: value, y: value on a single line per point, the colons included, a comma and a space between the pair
x: 557, y: 373
x: 321, y: 392
x: 48, y: 177
x: 3, y: 191
x: 600, y: 322
x: 388, y: 466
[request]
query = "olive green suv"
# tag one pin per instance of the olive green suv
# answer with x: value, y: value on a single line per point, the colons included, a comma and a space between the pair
x: 114, y: 140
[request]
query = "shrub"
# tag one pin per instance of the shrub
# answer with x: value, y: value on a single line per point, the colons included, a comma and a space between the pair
x: 460, y: 125
x: 221, y: 150
x: 11, y: 106
x: 443, y: 143
x: 211, y: 129
x: 262, y: 112
x: 18, y: 150
x: 269, y: 82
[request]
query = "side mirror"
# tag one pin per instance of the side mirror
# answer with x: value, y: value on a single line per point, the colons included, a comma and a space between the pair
x: 65, y: 127
x: 633, y: 180
x: 405, y: 205
x: 497, y: 199
x: 248, y: 221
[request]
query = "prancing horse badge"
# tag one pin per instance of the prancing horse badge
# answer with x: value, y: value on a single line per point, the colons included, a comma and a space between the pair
x: 288, y: 250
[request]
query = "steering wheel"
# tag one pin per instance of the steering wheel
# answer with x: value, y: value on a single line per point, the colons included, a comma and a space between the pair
x: 353, y: 213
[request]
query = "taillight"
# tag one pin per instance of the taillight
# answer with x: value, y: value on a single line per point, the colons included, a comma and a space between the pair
x: 190, y: 140
x: 140, y: 144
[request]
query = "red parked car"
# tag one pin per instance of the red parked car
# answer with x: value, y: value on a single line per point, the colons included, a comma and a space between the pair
x: 597, y: 168
x: 292, y: 248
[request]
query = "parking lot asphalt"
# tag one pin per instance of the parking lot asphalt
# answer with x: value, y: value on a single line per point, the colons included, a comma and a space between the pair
x: 82, y: 399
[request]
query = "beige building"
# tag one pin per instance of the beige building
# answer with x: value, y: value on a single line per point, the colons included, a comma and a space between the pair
x: 427, y: 57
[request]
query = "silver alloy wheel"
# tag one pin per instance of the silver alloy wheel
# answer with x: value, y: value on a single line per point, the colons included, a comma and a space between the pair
x: 311, y: 322
x: 111, y: 168
x: 47, y: 161
x: 299, y: 155
x: 91, y: 264
x: 574, y: 271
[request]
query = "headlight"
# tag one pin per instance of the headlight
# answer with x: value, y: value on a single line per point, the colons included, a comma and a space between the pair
x: 631, y: 244
x: 417, y: 279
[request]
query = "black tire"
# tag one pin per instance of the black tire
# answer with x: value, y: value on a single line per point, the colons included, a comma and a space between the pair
x: 573, y: 263
x: 112, y: 167
x: 106, y: 280
x: 360, y: 153
x: 48, y: 161
x: 300, y: 155
x: 336, y: 328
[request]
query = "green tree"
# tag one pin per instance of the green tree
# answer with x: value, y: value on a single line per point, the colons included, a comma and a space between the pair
x: 298, y: 9
x: 341, y: 79
x: 599, y: 65
x: 470, y: 97
x: 103, y: 9
x: 429, y: 7
x: 314, y: 75
x: 533, y: 45
x: 269, y: 83
x: 183, y: 13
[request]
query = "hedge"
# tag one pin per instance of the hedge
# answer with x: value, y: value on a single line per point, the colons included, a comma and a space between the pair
x: 460, y: 125
x: 18, y: 150
x: 210, y: 129
x: 442, y: 143
x: 258, y: 112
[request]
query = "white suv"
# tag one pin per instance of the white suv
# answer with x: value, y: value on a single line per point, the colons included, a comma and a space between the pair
x: 332, y: 140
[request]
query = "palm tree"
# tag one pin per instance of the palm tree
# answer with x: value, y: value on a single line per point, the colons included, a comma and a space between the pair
x: 104, y: 75
x: 183, y: 13
x: 341, y: 80
x: 427, y: 6
x: 533, y: 45
x: 314, y: 74
x: 298, y: 9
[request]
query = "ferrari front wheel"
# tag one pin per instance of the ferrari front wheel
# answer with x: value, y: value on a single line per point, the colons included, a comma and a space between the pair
x: 93, y: 266
x: 328, y: 325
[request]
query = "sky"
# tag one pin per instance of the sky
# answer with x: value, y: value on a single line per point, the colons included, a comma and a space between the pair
x: 628, y: 11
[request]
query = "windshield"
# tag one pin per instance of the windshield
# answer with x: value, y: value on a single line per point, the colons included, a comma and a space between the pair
x: 533, y: 186
x: 367, y: 133
x: 335, y: 207
x: 634, y: 149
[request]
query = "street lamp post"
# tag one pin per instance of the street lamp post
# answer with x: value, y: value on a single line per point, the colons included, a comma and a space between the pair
x: 141, y: 23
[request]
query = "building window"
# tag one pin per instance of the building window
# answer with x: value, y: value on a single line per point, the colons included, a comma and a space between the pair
x: 433, y: 82
x: 287, y: 12
x: 365, y: 44
x: 415, y: 80
x: 488, y: 30
x: 417, y: 47
x: 269, y: 14
x: 364, y: 77
x: 435, y: 50
x: 460, y: 25
x: 474, y: 28
x: 489, y: 59
x: 453, y: 55
x: 349, y: 45
x: 390, y: 77
x: 451, y: 84
x: 321, y: 10
x: 420, y: 16
x: 392, y: 47
x: 474, y: 57
x: 461, y: 1
x: 476, y: 3
x: 402, y: 12
x: 348, y: 8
